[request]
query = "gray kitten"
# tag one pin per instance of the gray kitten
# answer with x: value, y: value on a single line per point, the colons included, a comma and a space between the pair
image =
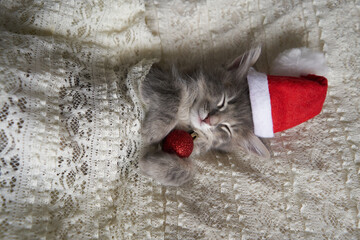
x: 213, y: 102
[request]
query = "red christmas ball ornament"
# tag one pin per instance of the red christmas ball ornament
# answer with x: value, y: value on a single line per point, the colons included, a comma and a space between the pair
x: 179, y: 142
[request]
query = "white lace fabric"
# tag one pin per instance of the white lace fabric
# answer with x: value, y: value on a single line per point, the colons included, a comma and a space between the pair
x: 70, y: 117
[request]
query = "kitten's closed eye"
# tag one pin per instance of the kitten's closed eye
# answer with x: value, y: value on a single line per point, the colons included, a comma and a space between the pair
x: 226, y: 128
x: 222, y: 104
x: 225, y: 101
x: 232, y: 101
x: 220, y: 107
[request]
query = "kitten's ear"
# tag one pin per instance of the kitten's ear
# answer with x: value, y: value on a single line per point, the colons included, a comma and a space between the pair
x: 254, y: 145
x: 242, y: 63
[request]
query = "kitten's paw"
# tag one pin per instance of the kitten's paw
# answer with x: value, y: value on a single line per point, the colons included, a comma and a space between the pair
x: 167, y: 169
x: 155, y: 132
x: 151, y: 136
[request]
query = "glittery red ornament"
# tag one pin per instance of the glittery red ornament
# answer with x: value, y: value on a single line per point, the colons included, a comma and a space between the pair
x: 179, y: 142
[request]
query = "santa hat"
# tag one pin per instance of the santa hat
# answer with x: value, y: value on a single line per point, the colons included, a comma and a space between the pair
x: 280, y: 102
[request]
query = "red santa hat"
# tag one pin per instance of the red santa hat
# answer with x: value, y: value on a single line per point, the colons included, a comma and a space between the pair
x: 280, y: 102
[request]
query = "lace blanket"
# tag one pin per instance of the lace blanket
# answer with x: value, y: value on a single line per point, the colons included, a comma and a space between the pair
x: 70, y: 117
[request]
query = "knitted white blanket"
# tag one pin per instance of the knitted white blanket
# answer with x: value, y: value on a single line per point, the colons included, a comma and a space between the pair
x: 70, y: 119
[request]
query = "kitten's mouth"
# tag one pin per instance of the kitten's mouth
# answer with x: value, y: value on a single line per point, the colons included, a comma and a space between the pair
x: 206, y: 120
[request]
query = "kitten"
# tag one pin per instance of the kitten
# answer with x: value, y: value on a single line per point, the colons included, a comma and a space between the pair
x: 213, y: 102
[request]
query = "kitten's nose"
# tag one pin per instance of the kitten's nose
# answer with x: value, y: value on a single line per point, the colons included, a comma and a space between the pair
x: 207, y: 120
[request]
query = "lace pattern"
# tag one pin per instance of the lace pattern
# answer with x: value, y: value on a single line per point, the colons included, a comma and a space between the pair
x: 70, y: 117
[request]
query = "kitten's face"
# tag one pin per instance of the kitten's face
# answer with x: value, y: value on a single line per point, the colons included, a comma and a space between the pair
x: 219, y: 114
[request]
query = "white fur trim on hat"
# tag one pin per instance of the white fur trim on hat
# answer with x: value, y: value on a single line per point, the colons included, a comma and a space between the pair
x: 299, y: 61
x: 260, y: 104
